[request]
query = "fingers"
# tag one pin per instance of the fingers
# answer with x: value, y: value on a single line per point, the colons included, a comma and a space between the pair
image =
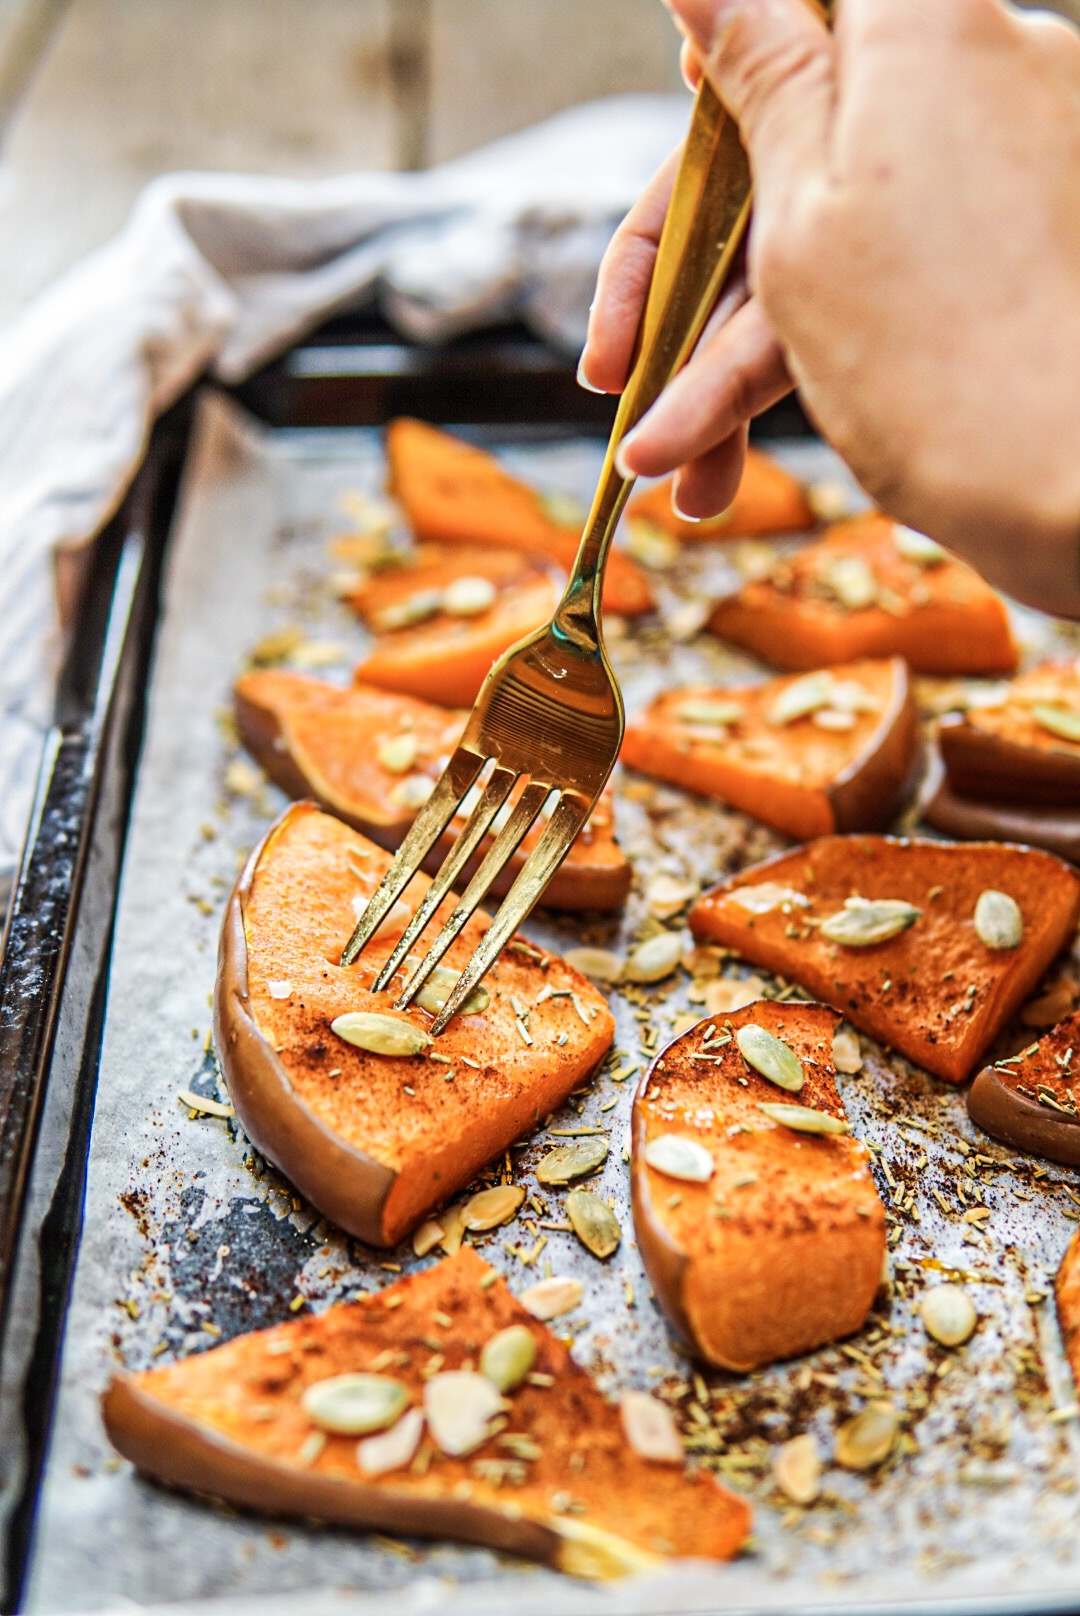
x: 733, y: 375
x: 689, y: 65
x: 771, y: 63
x: 708, y: 485
x: 623, y: 284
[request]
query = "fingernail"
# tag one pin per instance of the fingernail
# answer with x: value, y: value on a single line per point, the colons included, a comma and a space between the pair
x: 705, y: 20
x: 626, y: 472
x: 684, y: 516
x: 583, y: 380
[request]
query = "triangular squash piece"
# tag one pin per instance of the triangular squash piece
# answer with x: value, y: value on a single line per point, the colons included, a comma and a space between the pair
x: 376, y: 1140
x: 870, y: 588
x: 776, y: 1248
x: 446, y: 613
x: 1067, y: 1293
x: 1032, y: 1100
x: 455, y: 493
x: 818, y: 752
x: 931, y: 987
x: 769, y: 500
x: 567, y: 1489
x: 1024, y: 748
x: 369, y: 757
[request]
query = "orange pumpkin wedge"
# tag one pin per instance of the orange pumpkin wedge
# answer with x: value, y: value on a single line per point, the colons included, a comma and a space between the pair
x: 374, y: 1139
x: 1030, y: 1100
x: 444, y: 615
x: 232, y: 1423
x: 769, y: 500
x: 824, y: 751
x: 871, y: 589
x: 779, y: 1248
x: 455, y: 493
x: 369, y: 757
x: 930, y: 987
x: 1026, y: 749
x: 1067, y: 1295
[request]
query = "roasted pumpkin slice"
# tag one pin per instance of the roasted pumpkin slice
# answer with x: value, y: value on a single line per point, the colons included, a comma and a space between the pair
x: 444, y: 615
x: 824, y: 751
x: 454, y: 493
x: 1030, y: 1100
x: 371, y: 757
x: 1056, y: 830
x: 271, y: 1421
x: 319, y: 1067
x: 1025, y: 750
x: 755, y: 1212
x: 928, y: 947
x: 1067, y: 1292
x: 871, y: 588
x: 769, y: 500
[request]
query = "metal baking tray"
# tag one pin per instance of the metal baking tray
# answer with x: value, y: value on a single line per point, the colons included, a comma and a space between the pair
x: 185, y: 1236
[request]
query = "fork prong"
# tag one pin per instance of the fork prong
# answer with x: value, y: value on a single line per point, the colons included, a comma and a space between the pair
x: 427, y: 827
x: 549, y: 852
x: 502, y: 849
x: 473, y: 832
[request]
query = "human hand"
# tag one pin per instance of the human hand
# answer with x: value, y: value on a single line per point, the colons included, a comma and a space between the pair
x: 916, y: 251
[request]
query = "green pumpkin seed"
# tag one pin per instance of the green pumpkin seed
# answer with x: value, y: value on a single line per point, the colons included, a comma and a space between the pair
x: 851, y: 581
x: 998, y: 921
x: 656, y: 958
x: 380, y: 1034
x: 948, y: 1314
x: 571, y: 1161
x: 801, y: 697
x: 438, y: 988
x: 867, y: 1440
x: 862, y: 922
x: 550, y: 1298
x: 771, y: 1057
x: 594, y: 1223
x: 918, y: 548
x: 803, y: 1118
x: 469, y: 596
x: 352, y: 1405
x: 710, y: 714
x: 1064, y: 722
x: 678, y: 1157
x: 507, y: 1357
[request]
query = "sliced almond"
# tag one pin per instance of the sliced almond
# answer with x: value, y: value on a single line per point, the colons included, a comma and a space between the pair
x: 596, y: 1556
x: 847, y: 1051
x: 493, y: 1207
x: 650, y: 1428
x: 706, y: 714
x: 460, y: 1405
x: 864, y: 1442
x: 917, y: 547
x: 413, y: 791
x: 550, y: 1298
x: 948, y: 1314
x: 797, y: 1469
x: 413, y: 609
x: 398, y: 754
x: 469, y: 596
x: 765, y: 896
x: 427, y: 1237
x: 727, y: 993
x: 279, y: 990
x: 665, y: 895
x: 392, y: 1449
x: 800, y: 698
x: 656, y: 958
x: 598, y: 964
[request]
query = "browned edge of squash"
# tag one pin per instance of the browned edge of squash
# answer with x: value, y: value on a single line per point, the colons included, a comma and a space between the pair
x: 164, y: 1445
x: 998, y: 770
x: 883, y: 776
x: 1025, y: 1124
x: 1055, y: 830
x: 348, y: 1186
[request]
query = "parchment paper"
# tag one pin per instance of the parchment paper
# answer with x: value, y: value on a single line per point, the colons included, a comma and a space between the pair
x: 190, y: 1237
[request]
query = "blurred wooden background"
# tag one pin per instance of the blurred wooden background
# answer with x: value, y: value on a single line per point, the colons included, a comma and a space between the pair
x: 98, y: 96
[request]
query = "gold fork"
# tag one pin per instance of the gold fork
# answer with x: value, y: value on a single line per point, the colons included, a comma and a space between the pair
x: 550, y: 711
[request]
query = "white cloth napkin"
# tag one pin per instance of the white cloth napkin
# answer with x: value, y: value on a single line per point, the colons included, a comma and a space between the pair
x: 225, y: 270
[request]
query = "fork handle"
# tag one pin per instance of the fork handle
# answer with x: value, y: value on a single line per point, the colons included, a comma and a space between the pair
x: 705, y: 224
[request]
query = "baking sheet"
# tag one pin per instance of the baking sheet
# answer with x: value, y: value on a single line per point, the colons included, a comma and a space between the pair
x: 190, y: 1237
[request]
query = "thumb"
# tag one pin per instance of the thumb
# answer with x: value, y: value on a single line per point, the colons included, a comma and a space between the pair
x: 772, y: 64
